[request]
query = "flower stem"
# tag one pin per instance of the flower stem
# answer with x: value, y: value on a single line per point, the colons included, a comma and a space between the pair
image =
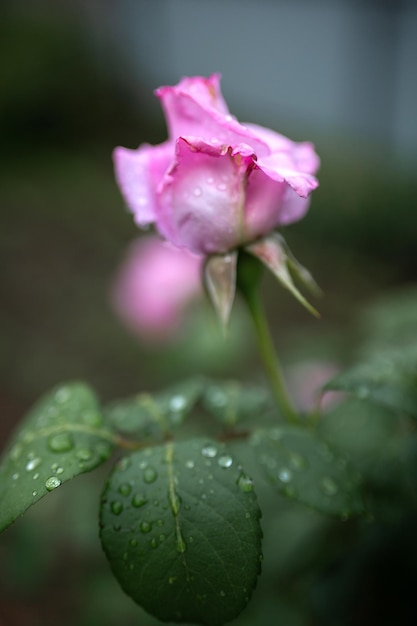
x: 248, y: 287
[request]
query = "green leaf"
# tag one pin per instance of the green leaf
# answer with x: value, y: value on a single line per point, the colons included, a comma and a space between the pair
x: 389, y: 379
x: 150, y: 416
x: 303, y: 467
x: 180, y: 527
x: 62, y: 436
x: 230, y: 401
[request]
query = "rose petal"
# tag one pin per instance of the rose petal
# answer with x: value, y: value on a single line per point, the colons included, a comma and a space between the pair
x: 280, y: 167
x: 195, y: 112
x: 138, y: 173
x: 202, y: 198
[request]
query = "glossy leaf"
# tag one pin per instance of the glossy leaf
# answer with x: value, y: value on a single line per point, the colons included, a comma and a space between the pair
x: 389, y: 379
x: 303, y: 467
x: 232, y: 401
x: 155, y: 415
x: 62, y: 436
x: 180, y: 527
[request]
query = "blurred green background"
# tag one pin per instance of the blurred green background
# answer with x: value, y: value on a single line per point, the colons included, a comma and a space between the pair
x: 65, y: 104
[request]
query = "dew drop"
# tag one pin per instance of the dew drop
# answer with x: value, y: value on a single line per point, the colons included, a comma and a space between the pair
x: 245, y: 483
x: 161, y: 538
x: 52, y: 483
x: 33, y: 464
x: 61, y: 442
x: 210, y: 180
x: 160, y: 522
x: 154, y: 543
x: 15, y: 476
x: 116, y: 507
x: 138, y: 500
x: 209, y: 451
x: 177, y: 403
x: 197, y: 192
x: 125, y: 489
x: 59, y: 470
x: 189, y: 464
x: 222, y: 187
x: 285, y: 475
x: 149, y: 475
x: 329, y: 486
x: 225, y: 461
x: 133, y: 543
x: 145, y: 527
x: 36, y: 476
x: 34, y: 493
x: 84, y: 454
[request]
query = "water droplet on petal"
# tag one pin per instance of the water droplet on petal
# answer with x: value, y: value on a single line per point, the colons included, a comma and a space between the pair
x: 52, y: 483
x: 225, y: 461
x: 197, y: 192
x: 210, y: 180
x: 285, y: 475
x: 149, y: 475
x: 329, y: 486
x: 209, y: 451
x: 116, y: 507
x: 222, y: 187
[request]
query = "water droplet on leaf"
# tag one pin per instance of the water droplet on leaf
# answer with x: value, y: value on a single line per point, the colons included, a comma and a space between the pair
x: 149, y: 475
x: 116, y: 507
x: 138, y: 500
x: 285, y: 475
x: 125, y: 489
x: 145, y: 527
x: 209, y: 451
x: 33, y: 464
x: 61, y: 442
x: 52, y: 483
x: 225, y: 461
x: 245, y: 483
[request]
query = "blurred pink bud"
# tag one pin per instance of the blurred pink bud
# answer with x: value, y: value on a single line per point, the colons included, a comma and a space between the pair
x: 305, y: 381
x: 215, y: 184
x: 154, y: 285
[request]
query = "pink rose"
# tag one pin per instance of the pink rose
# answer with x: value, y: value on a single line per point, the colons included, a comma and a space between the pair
x: 215, y: 184
x: 153, y: 286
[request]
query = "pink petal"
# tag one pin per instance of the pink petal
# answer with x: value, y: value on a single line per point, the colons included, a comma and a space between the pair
x: 138, y: 173
x: 281, y: 168
x: 202, y: 198
x: 153, y: 286
x: 196, y: 112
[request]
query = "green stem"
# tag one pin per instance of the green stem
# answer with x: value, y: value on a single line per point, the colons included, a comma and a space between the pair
x: 249, y: 290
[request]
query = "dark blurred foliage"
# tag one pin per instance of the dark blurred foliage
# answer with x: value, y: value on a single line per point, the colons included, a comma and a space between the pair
x: 64, y: 230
